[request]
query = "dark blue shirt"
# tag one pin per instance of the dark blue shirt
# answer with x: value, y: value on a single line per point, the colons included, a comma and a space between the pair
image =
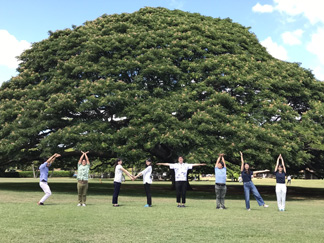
x: 245, y: 176
x: 280, y: 177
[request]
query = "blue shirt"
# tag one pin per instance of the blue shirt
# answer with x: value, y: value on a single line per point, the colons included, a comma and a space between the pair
x: 280, y: 177
x: 245, y: 176
x: 220, y: 175
x: 43, y: 172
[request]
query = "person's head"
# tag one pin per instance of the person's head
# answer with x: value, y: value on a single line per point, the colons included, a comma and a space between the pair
x: 84, y: 162
x: 220, y: 165
x: 180, y: 159
x: 280, y: 168
x: 246, y: 166
x: 118, y: 162
x: 148, y: 162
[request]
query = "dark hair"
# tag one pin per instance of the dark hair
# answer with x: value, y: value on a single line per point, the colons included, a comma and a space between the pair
x: 149, y: 160
x: 281, y: 166
x: 117, y: 160
x: 248, y: 171
x: 221, y: 162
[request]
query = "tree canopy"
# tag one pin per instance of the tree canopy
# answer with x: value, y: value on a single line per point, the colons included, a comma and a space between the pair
x: 160, y: 83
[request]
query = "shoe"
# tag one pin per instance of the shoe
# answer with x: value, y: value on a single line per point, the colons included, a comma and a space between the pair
x: 183, y: 206
x: 79, y: 204
x: 179, y: 206
x: 217, y: 207
x: 223, y: 207
x: 83, y: 205
x: 265, y: 205
x: 40, y: 204
x: 115, y: 205
x: 146, y: 206
x: 249, y: 209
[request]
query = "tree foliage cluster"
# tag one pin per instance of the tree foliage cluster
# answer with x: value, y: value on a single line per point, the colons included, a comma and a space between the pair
x: 160, y: 83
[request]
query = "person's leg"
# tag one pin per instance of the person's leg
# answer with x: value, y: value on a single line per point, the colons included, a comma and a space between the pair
x: 79, y: 186
x: 217, y: 191
x: 257, y: 195
x: 246, y: 187
x: 116, y: 192
x: 46, y: 190
x: 222, y: 196
x: 84, y: 193
x: 279, y: 199
x: 147, y: 188
x: 178, y: 190
x: 284, y: 193
x: 184, y: 191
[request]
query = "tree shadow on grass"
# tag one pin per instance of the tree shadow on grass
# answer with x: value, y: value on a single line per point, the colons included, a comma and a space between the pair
x: 234, y: 192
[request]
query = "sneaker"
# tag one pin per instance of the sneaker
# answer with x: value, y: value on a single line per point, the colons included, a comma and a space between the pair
x: 265, y: 205
x: 115, y: 205
x: 249, y: 209
x: 40, y: 204
x: 146, y: 206
x: 179, y: 206
x: 183, y: 206
x: 83, y: 205
x: 223, y: 207
x: 79, y: 204
x: 217, y: 207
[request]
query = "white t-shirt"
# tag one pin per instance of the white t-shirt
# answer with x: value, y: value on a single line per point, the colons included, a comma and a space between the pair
x: 118, y: 174
x: 147, y: 175
x: 181, y: 171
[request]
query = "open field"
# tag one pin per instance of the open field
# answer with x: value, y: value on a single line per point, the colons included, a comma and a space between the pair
x: 61, y: 221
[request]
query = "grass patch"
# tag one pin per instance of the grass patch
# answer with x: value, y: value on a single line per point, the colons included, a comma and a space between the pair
x: 61, y: 221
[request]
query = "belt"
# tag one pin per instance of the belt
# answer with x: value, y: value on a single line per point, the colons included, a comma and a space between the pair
x: 82, y: 182
x: 43, y: 181
x: 220, y: 184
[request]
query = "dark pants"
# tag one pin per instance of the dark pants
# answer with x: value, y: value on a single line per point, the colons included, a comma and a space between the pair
x: 181, y: 188
x: 116, y: 192
x: 147, y: 188
x: 220, y: 190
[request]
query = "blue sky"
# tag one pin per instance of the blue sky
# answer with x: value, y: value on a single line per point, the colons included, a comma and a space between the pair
x: 291, y: 30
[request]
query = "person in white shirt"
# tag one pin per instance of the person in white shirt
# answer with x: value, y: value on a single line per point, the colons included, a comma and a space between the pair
x: 118, y: 180
x: 147, y: 181
x: 181, y: 171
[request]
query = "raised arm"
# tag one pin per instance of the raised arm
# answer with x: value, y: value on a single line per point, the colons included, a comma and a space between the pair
x: 165, y: 164
x: 86, y: 157
x: 223, y: 160
x: 277, y: 162
x: 242, y: 161
x: 51, y: 160
x: 81, y: 158
x: 283, y: 164
x: 219, y: 157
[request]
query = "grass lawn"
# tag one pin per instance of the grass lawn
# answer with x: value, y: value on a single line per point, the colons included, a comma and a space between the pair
x: 60, y: 220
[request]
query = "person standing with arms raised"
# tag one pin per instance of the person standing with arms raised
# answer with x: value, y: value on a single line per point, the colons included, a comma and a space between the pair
x: 181, y: 171
x: 220, y: 182
x: 44, y: 168
x: 281, y: 188
x: 248, y: 185
x: 83, y: 175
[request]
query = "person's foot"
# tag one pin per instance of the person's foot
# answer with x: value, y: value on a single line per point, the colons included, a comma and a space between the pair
x: 146, y: 206
x: 223, y: 207
x: 79, y: 204
x: 40, y: 204
x: 115, y: 205
x: 249, y: 209
x: 179, y: 206
x: 83, y: 205
x: 217, y: 207
x: 265, y: 205
x: 183, y: 206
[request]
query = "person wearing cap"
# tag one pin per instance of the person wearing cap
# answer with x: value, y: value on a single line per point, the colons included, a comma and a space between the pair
x: 220, y: 182
x: 248, y: 185
x: 83, y: 175
x: 118, y: 179
x: 147, y: 181
x: 281, y: 188
x: 44, y: 168
x: 181, y: 171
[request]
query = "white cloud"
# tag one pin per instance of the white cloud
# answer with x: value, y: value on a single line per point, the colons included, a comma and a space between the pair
x: 10, y: 48
x: 262, y: 8
x: 177, y: 4
x: 316, y: 47
x: 311, y: 9
x: 318, y: 72
x: 292, y: 38
x: 274, y: 49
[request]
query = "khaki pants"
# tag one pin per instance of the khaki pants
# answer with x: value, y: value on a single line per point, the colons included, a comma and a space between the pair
x: 82, y: 191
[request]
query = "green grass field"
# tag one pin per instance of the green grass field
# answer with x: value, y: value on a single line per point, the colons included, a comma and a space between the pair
x: 60, y: 220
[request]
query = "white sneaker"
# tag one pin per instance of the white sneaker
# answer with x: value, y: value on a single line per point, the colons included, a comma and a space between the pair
x: 84, y: 205
x: 249, y: 209
x: 265, y: 205
x: 79, y: 205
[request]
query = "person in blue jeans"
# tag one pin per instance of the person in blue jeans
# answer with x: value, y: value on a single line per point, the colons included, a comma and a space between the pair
x: 248, y: 185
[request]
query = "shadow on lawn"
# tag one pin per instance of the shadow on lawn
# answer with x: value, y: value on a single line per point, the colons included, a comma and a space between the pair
x: 234, y: 192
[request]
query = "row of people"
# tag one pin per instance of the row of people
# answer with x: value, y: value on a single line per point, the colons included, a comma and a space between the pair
x: 181, y: 170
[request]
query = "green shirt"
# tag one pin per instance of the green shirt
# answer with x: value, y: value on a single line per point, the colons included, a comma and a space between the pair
x: 83, y: 172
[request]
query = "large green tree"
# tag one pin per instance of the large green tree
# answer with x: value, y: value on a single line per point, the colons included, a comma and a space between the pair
x: 160, y: 83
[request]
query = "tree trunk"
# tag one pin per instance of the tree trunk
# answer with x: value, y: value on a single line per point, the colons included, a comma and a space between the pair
x: 34, y: 174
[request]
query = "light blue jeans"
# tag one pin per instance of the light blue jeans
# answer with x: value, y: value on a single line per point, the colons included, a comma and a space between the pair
x: 250, y: 187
